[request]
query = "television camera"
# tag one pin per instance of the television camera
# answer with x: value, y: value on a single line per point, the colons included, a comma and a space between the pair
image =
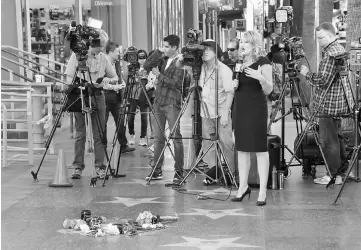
x: 193, y: 51
x: 131, y: 56
x: 81, y: 38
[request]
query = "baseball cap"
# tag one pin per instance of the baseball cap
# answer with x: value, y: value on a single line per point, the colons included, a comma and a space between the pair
x: 211, y: 43
x: 142, y: 55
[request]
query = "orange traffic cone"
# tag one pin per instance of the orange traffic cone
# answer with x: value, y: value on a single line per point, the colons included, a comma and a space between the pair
x: 61, y: 173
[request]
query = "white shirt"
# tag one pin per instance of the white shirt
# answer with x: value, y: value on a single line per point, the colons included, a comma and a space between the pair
x: 169, y: 61
x: 208, y: 84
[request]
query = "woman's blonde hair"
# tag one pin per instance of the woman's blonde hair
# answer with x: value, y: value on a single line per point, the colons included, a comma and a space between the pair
x: 255, y: 39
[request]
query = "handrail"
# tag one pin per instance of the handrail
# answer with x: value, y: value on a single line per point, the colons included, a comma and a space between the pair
x: 34, y: 84
x: 38, y: 64
x: 17, y: 74
x: 5, y: 135
x: 34, y: 70
x: 32, y: 54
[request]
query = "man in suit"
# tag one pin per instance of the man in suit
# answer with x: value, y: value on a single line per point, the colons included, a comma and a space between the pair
x: 172, y: 78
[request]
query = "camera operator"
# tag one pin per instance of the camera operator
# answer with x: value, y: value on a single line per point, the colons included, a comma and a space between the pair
x: 335, y: 103
x: 225, y: 93
x: 138, y: 99
x: 233, y: 53
x: 171, y: 77
x: 99, y: 67
x: 113, y: 97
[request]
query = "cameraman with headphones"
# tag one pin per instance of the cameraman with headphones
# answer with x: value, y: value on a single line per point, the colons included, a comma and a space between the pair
x: 102, y: 74
x: 335, y: 103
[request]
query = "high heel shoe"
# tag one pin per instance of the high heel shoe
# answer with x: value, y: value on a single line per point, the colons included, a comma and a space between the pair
x: 239, y: 199
x: 262, y: 203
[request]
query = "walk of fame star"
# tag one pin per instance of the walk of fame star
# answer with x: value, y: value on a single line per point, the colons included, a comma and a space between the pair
x: 214, y: 244
x: 217, y: 213
x: 216, y: 191
x: 129, y: 202
x: 142, y: 182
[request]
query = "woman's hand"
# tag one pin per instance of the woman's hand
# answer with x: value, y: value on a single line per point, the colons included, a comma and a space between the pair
x: 255, y: 74
x: 235, y: 84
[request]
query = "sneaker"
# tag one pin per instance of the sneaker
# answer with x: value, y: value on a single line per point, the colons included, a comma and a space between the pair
x: 132, y: 140
x: 127, y: 149
x: 100, y: 172
x: 156, y: 176
x: 151, y: 148
x: 77, y: 173
x: 143, y: 142
x: 351, y: 176
x: 326, y: 179
x: 178, y: 175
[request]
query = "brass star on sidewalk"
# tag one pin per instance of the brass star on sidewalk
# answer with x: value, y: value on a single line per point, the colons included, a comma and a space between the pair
x: 129, y: 202
x: 206, y: 244
x: 216, y: 214
x: 216, y: 191
x: 142, y: 182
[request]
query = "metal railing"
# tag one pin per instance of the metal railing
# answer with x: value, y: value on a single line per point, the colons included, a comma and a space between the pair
x: 13, y: 92
x: 62, y: 66
x: 27, y: 58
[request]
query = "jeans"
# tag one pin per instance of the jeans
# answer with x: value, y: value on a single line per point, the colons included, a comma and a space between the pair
x: 225, y: 138
x: 80, y: 135
x: 114, y: 109
x: 143, y: 116
x: 332, y: 143
x: 167, y: 113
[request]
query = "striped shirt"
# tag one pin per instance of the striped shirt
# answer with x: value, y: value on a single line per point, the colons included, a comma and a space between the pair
x: 335, y: 103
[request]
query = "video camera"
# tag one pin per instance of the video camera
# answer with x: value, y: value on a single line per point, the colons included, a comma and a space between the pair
x: 289, y: 51
x: 81, y: 38
x: 131, y: 56
x: 193, y: 51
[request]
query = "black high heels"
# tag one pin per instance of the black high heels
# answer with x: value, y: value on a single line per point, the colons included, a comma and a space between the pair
x: 262, y: 203
x: 239, y: 199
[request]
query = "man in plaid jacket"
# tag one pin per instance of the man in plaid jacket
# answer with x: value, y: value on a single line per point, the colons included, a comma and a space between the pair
x: 172, y: 79
x: 338, y: 100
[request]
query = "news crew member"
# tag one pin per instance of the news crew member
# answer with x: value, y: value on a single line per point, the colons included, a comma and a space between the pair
x: 250, y: 114
x: 113, y: 95
x: 225, y: 94
x: 335, y: 103
x: 99, y: 66
x: 138, y: 99
x: 171, y: 77
x: 233, y: 53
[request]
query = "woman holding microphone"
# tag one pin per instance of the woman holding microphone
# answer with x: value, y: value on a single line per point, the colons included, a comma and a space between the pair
x: 250, y: 114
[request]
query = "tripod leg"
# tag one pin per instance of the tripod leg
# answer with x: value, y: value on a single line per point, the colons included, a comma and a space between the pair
x: 51, y: 135
x: 233, y: 179
x: 173, y: 129
x: 156, y: 119
x: 352, y: 163
x: 199, y: 158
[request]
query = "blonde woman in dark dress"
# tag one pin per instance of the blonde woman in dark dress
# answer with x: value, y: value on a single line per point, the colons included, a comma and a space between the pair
x: 250, y: 114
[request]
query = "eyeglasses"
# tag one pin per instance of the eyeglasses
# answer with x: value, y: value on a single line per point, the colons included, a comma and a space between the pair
x: 231, y: 49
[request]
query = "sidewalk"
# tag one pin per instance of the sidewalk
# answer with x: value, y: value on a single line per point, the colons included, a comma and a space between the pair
x: 299, y: 217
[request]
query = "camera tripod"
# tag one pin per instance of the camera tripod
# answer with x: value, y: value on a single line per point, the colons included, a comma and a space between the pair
x: 82, y: 68
x: 121, y: 123
x: 300, y: 113
x: 196, y: 136
x: 355, y: 152
x: 311, y: 120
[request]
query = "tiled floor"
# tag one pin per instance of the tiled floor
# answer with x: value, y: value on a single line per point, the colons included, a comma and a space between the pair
x: 299, y: 217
